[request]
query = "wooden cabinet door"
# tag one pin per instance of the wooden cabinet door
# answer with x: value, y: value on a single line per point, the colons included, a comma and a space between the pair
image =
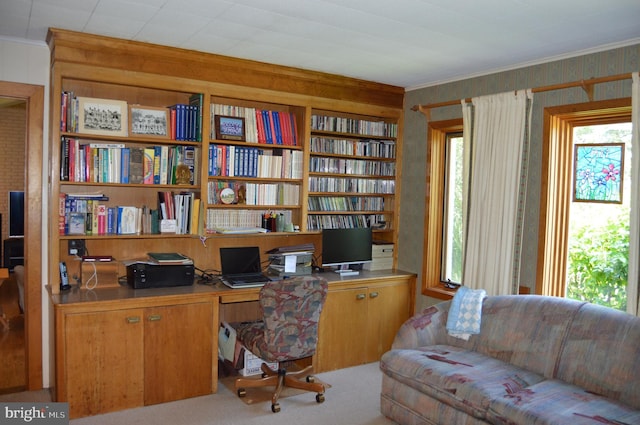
x: 178, y: 344
x: 388, y: 309
x: 342, y: 332
x: 104, y: 361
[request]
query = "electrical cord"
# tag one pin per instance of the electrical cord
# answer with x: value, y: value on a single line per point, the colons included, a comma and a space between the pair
x: 94, y: 276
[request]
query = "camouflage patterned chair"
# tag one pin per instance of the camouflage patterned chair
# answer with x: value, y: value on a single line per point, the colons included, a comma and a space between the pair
x: 288, y: 332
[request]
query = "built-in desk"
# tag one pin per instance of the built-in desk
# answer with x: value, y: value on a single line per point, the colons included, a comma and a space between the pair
x: 117, y: 347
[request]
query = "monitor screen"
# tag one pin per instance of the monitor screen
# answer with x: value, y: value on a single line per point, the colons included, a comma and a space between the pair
x: 16, y: 214
x: 342, y: 247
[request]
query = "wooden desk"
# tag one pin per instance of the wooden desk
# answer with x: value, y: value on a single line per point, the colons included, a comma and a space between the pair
x: 130, y: 348
x: 4, y: 274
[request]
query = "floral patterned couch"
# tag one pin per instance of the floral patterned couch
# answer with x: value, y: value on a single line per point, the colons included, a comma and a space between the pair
x: 537, y: 360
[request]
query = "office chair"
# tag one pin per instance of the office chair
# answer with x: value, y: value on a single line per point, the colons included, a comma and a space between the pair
x: 287, y: 332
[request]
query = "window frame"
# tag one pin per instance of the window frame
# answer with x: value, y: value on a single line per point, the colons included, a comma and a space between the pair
x: 437, y: 132
x: 556, y: 184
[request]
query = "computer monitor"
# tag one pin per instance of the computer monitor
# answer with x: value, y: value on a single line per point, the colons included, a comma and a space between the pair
x: 342, y: 248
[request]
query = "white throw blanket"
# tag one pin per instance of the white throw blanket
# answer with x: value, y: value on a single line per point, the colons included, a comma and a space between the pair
x: 465, y: 313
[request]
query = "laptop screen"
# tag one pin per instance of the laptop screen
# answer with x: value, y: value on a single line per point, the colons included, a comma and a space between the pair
x: 240, y: 260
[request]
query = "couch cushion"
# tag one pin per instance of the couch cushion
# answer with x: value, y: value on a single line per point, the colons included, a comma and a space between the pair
x: 525, y: 330
x: 555, y: 402
x: 602, y: 354
x: 464, y: 379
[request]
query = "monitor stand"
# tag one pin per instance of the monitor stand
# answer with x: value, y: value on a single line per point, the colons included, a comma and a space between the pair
x: 344, y: 270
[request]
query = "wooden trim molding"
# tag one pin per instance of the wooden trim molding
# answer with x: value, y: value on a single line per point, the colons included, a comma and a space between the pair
x: 556, y: 184
x: 34, y: 96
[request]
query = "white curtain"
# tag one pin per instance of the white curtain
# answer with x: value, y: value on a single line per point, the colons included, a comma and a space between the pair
x: 634, y: 224
x: 500, y: 124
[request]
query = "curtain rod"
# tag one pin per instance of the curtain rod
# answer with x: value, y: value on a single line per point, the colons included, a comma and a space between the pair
x: 587, y: 86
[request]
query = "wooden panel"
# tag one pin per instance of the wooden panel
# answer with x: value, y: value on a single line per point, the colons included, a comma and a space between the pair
x: 389, y: 308
x: 342, y: 331
x: 134, y: 56
x: 104, y: 367
x: 178, y: 352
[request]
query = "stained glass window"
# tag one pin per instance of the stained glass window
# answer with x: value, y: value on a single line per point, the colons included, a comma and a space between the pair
x: 599, y: 170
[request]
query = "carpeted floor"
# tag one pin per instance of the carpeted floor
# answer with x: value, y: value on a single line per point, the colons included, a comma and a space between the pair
x: 352, y: 399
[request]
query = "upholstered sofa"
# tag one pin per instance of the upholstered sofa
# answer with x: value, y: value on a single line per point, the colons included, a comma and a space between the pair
x: 537, y: 360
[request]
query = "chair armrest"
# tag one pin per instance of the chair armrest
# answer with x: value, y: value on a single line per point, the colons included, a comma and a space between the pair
x: 425, y: 328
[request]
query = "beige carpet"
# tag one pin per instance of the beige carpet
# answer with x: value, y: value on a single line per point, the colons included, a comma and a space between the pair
x: 353, y: 399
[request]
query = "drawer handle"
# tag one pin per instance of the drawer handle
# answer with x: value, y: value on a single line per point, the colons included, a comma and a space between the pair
x: 133, y: 319
x: 154, y: 317
x: 373, y: 295
x: 360, y: 297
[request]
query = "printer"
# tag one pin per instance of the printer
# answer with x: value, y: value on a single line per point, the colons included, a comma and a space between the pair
x: 282, y: 264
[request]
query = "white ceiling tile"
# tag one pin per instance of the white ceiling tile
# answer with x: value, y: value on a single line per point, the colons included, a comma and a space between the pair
x: 404, y: 42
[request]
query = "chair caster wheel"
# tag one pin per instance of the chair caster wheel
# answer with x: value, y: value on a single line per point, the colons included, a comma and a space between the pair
x: 311, y: 379
x: 275, y: 408
x: 242, y: 392
x: 320, y: 398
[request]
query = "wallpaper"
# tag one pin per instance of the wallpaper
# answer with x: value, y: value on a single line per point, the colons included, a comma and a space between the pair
x: 611, y: 62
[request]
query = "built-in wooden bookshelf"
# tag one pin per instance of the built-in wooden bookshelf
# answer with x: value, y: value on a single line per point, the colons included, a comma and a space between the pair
x: 305, y: 170
x: 353, y: 173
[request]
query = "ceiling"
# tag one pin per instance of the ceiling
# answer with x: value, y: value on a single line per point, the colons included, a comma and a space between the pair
x: 407, y: 43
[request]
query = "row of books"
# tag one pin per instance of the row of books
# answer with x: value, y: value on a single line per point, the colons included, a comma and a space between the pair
x: 179, y: 212
x: 353, y: 126
x: 361, y: 167
x: 254, y: 193
x: 345, y: 203
x: 185, y: 120
x: 261, y: 126
x: 218, y: 220
x: 351, y: 185
x: 117, y: 163
x: 319, y: 222
x: 365, y: 147
x: 240, y: 161
x: 180, y: 121
x: 88, y: 215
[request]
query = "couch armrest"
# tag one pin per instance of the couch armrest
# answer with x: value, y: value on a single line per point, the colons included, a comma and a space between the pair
x: 425, y: 328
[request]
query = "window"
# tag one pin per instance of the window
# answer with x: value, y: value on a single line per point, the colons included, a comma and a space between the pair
x: 556, y: 196
x: 453, y: 213
x: 444, y: 218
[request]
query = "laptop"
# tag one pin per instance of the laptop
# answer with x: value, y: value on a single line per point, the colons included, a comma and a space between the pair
x: 241, y: 267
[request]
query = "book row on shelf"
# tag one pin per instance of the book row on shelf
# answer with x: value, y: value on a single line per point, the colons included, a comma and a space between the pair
x: 90, y: 215
x: 180, y: 121
x: 116, y: 163
x: 365, y: 147
x: 240, y: 161
x: 351, y: 185
x: 260, y: 126
x: 243, y: 193
x: 344, y: 203
x: 351, y: 166
x: 224, y: 221
x: 353, y: 126
x: 319, y: 222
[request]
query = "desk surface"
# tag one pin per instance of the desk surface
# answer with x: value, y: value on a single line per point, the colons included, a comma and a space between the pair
x: 76, y: 295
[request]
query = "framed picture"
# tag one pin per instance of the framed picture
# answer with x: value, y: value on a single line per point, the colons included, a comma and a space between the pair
x: 104, y: 117
x: 598, y: 172
x: 148, y: 121
x: 229, y: 128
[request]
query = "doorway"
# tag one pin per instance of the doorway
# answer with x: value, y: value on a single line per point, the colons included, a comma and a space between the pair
x: 33, y: 98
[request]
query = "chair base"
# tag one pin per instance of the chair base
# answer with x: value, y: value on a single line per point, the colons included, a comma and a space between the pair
x: 281, y: 378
